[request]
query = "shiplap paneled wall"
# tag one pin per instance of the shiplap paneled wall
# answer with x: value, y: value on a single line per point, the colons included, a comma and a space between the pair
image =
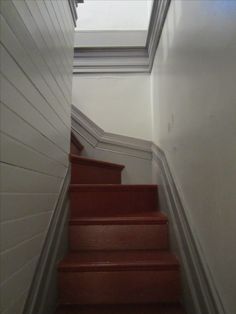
x: 36, y: 82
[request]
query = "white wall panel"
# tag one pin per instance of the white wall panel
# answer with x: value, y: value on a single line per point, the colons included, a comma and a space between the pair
x: 19, y: 129
x: 19, y: 230
x: 25, y: 251
x: 18, y: 104
x: 194, y: 115
x: 16, y: 153
x: 15, y: 205
x: 18, y: 282
x: 29, y: 42
x: 36, y: 84
x: 20, y: 180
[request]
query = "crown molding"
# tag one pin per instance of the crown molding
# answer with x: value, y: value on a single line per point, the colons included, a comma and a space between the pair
x: 124, y: 59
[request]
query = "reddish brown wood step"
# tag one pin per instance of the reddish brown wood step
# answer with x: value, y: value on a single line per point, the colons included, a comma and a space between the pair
x: 91, y: 171
x: 123, y: 309
x: 120, y: 233
x: 106, y: 199
x: 118, y: 260
x: 121, y: 217
x: 119, y: 277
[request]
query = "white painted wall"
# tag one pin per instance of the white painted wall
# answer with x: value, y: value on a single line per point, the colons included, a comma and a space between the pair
x: 135, y: 38
x: 194, y: 122
x: 36, y: 83
x: 114, y: 15
x: 119, y: 104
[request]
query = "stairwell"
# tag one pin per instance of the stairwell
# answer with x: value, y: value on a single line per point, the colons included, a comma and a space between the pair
x: 119, y: 259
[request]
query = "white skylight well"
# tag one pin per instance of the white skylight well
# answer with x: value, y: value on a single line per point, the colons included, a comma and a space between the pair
x: 115, y: 22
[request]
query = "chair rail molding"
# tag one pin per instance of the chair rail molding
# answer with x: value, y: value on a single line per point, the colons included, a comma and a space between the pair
x: 100, y: 139
x: 124, y: 59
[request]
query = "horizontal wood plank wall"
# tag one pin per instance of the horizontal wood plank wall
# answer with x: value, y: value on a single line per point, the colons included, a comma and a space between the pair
x: 36, y: 80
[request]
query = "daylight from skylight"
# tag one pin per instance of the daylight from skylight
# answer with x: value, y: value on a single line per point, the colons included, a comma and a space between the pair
x: 123, y: 15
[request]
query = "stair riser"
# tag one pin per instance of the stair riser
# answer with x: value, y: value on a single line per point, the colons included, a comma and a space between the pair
x: 106, y: 202
x: 89, y: 174
x: 118, y: 237
x: 121, y: 287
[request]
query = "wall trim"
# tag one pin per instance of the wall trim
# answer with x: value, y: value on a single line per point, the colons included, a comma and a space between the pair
x: 36, y: 302
x: 205, y: 296
x: 100, y: 139
x: 157, y: 21
x: 73, y: 4
x: 124, y: 59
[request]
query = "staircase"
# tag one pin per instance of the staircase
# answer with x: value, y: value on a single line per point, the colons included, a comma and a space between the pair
x: 119, y: 259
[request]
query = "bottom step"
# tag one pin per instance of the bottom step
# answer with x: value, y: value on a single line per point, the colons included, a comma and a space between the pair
x: 123, y: 309
x: 119, y: 277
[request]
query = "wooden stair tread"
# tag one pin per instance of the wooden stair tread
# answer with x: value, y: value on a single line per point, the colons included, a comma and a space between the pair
x: 94, y: 162
x: 119, y: 260
x: 112, y: 187
x: 123, y: 309
x: 118, y: 218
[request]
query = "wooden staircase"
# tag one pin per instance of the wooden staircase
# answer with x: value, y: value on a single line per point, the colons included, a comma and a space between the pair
x: 119, y: 259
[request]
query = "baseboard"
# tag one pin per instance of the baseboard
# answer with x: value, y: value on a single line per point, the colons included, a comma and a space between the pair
x: 201, y: 296
x: 42, y: 296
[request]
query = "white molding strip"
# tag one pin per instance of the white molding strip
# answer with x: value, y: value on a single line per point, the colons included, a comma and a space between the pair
x: 100, y: 139
x: 205, y: 297
x: 73, y: 5
x: 124, y: 59
x: 39, y: 295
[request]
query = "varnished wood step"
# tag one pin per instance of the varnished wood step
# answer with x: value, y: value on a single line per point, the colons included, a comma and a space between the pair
x: 118, y: 260
x: 93, y: 162
x: 105, y: 199
x: 121, y: 218
x: 123, y: 309
x: 120, y: 233
x: 119, y: 277
x: 86, y: 171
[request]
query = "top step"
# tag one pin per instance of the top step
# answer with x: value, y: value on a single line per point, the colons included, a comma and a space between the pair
x: 87, y: 171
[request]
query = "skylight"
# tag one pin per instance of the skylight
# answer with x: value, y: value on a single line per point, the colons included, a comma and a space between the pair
x: 95, y: 15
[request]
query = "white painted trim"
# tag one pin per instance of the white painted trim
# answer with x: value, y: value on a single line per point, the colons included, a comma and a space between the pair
x: 73, y: 5
x: 124, y: 59
x: 100, y: 139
